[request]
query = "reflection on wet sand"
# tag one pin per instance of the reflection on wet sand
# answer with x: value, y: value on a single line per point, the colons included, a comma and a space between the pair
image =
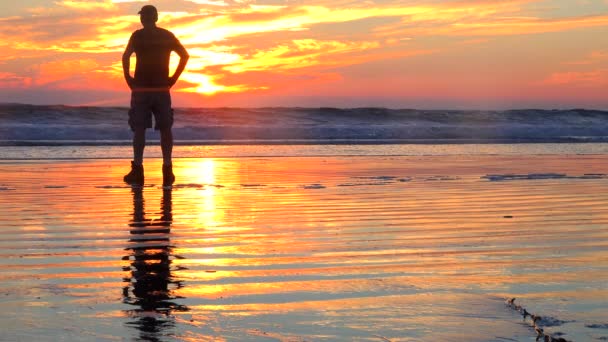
x: 150, y: 284
x: 306, y: 249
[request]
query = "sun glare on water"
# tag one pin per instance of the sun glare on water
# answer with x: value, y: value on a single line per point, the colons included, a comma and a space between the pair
x: 206, y: 211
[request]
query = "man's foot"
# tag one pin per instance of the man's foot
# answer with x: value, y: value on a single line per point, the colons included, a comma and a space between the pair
x: 136, y: 176
x: 168, y: 176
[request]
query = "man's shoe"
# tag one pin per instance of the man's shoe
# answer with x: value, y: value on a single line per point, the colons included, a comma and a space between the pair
x: 136, y: 176
x: 168, y: 176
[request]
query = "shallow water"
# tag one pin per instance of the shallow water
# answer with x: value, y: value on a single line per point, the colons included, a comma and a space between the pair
x: 326, y: 248
x: 124, y: 151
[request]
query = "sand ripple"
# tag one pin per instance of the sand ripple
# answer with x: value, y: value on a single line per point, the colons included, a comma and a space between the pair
x: 306, y: 249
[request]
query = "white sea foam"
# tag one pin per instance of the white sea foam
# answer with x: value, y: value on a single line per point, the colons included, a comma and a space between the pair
x: 537, y: 176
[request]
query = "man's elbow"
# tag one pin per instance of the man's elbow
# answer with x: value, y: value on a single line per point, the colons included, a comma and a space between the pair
x: 183, y: 54
x: 127, y: 55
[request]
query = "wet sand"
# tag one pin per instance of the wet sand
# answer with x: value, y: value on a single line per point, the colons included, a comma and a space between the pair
x: 419, y: 248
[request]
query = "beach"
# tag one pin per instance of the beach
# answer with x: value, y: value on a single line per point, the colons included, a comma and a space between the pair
x: 338, y: 247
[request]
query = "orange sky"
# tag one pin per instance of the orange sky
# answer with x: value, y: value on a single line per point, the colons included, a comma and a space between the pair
x: 418, y: 53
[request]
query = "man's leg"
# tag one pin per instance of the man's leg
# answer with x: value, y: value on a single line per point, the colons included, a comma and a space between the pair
x: 163, y: 113
x: 139, y: 119
x: 166, y: 144
x: 136, y: 176
x: 139, y: 143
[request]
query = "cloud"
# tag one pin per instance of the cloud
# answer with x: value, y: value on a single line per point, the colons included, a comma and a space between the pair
x: 60, y: 70
x: 256, y: 20
x: 208, y: 85
x: 594, y: 57
x: 525, y: 26
x: 485, y: 18
x: 75, y: 74
x: 578, y: 78
x: 301, y: 53
x: 232, y: 41
x: 88, y: 6
x: 589, y: 71
x: 210, y: 2
x: 286, y: 58
x: 12, y: 80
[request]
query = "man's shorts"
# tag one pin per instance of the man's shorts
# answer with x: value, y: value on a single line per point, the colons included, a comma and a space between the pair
x: 144, y: 104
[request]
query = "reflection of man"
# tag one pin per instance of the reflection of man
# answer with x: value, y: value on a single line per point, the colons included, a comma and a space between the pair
x: 150, y: 86
x: 151, y: 285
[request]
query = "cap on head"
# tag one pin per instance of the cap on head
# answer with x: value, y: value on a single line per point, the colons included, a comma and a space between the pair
x: 148, y: 10
x: 148, y: 15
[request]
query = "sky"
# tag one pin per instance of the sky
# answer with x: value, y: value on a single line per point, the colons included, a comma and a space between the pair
x: 428, y: 54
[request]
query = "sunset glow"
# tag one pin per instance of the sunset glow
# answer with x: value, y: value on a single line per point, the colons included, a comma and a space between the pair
x: 514, y: 53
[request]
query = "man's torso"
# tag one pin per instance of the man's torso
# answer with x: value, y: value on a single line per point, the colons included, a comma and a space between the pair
x: 153, y: 49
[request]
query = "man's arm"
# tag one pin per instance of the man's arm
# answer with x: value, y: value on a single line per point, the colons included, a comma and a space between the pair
x: 126, y: 63
x: 183, y: 59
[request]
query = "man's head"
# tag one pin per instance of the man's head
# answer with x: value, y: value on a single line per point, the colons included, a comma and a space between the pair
x: 148, y: 15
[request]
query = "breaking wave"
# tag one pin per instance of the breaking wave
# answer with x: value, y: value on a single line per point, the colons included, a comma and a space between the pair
x: 64, y: 125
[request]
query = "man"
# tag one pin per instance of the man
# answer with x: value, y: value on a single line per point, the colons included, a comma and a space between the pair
x: 150, y: 87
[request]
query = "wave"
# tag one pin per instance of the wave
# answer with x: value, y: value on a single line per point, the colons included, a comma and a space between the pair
x: 29, y: 124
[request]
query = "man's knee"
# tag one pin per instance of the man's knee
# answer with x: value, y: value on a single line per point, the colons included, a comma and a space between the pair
x: 139, y: 136
x: 166, y: 134
x: 139, y: 131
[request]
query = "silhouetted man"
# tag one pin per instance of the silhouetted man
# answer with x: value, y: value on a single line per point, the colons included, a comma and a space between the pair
x: 150, y: 87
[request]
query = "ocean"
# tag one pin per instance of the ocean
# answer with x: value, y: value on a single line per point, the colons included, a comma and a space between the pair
x: 305, y: 224
x: 63, y: 125
x: 103, y: 132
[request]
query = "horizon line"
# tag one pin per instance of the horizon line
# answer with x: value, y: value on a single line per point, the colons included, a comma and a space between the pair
x: 6, y: 104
